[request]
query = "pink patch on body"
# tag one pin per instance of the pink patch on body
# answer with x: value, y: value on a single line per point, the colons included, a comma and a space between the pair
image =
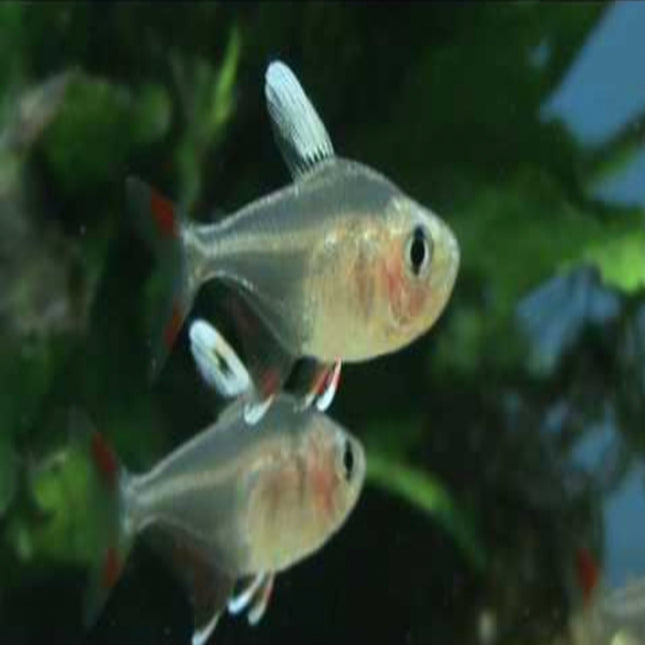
x: 104, y: 459
x: 163, y: 213
x: 322, y: 480
x: 406, y: 299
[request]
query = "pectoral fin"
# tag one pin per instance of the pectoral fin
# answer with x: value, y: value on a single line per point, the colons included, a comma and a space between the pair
x: 260, y: 601
x: 248, y: 589
x: 314, y: 381
x: 254, y: 597
x: 298, y: 130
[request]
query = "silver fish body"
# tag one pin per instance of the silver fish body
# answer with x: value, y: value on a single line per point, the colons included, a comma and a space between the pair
x: 257, y: 499
x: 314, y: 259
x: 229, y: 509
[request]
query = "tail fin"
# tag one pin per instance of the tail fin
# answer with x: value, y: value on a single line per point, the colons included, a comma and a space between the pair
x: 107, y: 481
x: 160, y: 224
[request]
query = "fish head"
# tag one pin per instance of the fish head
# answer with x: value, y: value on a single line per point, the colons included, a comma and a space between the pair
x: 301, y: 503
x: 418, y: 269
x: 333, y: 464
x: 335, y: 469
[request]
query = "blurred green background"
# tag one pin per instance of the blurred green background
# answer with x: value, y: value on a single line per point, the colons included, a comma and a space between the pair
x: 505, y: 447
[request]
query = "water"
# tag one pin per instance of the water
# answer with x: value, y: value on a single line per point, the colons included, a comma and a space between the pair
x: 505, y: 497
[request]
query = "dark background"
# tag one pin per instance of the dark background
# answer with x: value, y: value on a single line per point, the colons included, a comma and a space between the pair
x: 505, y: 446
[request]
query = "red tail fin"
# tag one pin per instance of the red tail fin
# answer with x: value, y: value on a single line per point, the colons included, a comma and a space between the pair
x: 106, y: 486
x: 160, y: 224
x: 588, y: 573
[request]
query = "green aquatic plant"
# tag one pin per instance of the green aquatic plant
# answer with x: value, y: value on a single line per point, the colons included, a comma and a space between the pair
x: 109, y: 118
x: 8, y: 467
x: 207, y: 99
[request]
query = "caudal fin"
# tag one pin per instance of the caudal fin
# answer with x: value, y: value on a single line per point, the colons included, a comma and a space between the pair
x: 107, y: 483
x: 161, y: 226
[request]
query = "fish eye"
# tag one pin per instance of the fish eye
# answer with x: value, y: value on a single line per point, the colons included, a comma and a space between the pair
x: 348, y: 460
x: 418, y: 251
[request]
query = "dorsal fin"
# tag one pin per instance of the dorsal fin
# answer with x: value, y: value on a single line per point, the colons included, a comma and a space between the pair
x: 217, y: 361
x: 299, y: 132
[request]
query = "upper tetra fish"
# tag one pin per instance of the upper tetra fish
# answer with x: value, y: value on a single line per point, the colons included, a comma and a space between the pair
x: 230, y: 508
x: 340, y: 265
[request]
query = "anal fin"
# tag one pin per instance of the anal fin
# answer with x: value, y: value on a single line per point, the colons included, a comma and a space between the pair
x: 268, y: 362
x: 208, y: 585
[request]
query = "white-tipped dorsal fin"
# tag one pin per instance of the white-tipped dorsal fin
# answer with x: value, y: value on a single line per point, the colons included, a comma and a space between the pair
x: 299, y: 132
x: 217, y: 361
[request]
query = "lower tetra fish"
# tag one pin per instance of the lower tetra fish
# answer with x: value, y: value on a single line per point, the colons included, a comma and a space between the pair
x: 340, y: 265
x: 232, y: 507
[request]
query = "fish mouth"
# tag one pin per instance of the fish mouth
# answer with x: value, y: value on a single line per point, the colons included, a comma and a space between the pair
x: 453, y: 259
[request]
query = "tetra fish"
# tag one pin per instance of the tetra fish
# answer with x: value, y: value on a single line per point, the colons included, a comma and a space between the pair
x: 232, y: 507
x: 340, y: 265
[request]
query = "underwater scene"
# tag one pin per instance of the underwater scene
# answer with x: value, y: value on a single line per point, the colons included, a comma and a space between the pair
x: 322, y: 323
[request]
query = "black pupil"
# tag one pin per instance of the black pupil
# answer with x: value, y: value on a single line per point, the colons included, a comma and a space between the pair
x: 348, y: 461
x: 418, y: 250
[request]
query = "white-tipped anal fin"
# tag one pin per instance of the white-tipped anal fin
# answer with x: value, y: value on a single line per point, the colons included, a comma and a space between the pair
x: 299, y: 132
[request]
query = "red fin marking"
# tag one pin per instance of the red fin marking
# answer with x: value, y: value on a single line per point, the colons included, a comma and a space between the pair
x: 172, y: 329
x: 320, y: 381
x: 243, y: 320
x: 111, y: 568
x: 163, y: 212
x: 335, y: 374
x: 588, y: 573
x: 329, y: 378
x: 270, y: 381
x: 323, y: 483
x: 104, y: 458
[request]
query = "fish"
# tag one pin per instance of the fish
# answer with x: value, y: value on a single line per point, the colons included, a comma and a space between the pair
x: 338, y: 266
x: 229, y: 509
x: 608, y: 614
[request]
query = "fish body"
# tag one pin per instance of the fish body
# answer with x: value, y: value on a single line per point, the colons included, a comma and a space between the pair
x: 260, y: 500
x: 234, y: 506
x: 340, y: 265
x: 323, y: 261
